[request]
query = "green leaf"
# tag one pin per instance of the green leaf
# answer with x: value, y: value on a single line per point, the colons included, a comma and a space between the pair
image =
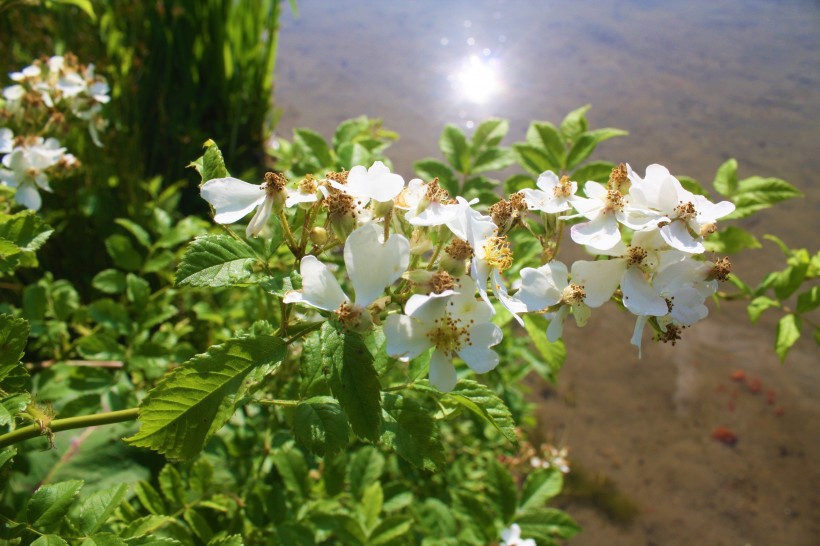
x: 493, y: 159
x: 216, y: 260
x: 428, y: 169
x: 575, y: 123
x: 692, y: 185
x: 543, y: 136
x: 552, y: 354
x: 98, y: 507
x: 453, y: 145
x: 136, y: 230
x: 389, y: 530
x: 587, y: 142
x: 198, y: 524
x: 758, y: 193
x: 104, y: 539
x: 146, y: 525
x: 49, y: 540
x: 489, y: 133
x: 150, y: 498
x: 233, y: 540
x: 291, y: 465
x: 50, y: 503
x: 411, y: 430
x: 110, y: 281
x: 313, y: 144
x: 196, y: 399
x: 25, y: 230
x: 353, y: 379
x: 731, y: 240
x: 540, y: 486
x: 123, y: 253
x: 170, y: 483
x: 725, y: 182
x: 760, y: 304
x: 347, y: 529
x: 808, y: 300
x: 502, y: 491
x: 596, y: 171
x: 547, y: 524
x: 138, y: 291
x: 111, y: 314
x: 534, y: 160
x: 366, y: 467
x: 348, y: 130
x: 788, y: 332
x: 320, y: 425
x: 485, y: 404
x: 211, y: 164
x: 13, y: 338
x: 352, y: 154
x: 518, y: 182
x: 84, y: 5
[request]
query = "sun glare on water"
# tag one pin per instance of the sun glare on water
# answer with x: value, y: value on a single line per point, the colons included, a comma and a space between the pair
x: 477, y: 81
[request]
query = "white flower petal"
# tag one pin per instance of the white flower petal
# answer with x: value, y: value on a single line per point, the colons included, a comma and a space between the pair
x: 377, y: 183
x: 478, y: 356
x: 677, y: 236
x: 442, y: 372
x: 513, y: 305
x: 320, y: 288
x: 601, y: 233
x: 406, y: 337
x: 556, y: 326
x: 637, y: 333
x: 599, y: 279
x: 542, y: 287
x: 639, y: 297
x: 231, y: 198
x: 6, y: 140
x: 260, y: 219
x: 372, y: 265
x: 28, y: 196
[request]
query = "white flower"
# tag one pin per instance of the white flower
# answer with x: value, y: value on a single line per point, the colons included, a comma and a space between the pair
x: 454, y: 325
x: 426, y: 204
x: 232, y: 199
x: 376, y: 183
x: 372, y: 265
x: 554, y: 195
x: 593, y: 283
x: 307, y: 192
x: 26, y: 166
x: 683, y: 217
x: 512, y: 537
x: 605, y: 209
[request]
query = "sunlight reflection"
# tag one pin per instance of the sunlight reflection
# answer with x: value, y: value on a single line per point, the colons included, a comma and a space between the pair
x: 478, y: 80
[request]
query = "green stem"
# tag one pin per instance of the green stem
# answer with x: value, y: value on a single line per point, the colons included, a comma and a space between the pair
x: 57, y: 425
x: 283, y: 403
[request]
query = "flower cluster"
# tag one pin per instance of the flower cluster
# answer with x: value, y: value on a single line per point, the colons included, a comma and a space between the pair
x: 429, y: 267
x: 40, y: 103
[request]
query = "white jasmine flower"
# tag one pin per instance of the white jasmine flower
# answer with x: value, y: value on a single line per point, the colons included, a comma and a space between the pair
x: 683, y: 217
x: 512, y: 537
x: 376, y: 183
x: 372, y: 265
x: 554, y: 195
x: 232, y: 199
x: 455, y: 325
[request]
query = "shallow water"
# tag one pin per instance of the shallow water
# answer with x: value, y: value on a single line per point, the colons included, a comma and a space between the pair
x: 694, y: 83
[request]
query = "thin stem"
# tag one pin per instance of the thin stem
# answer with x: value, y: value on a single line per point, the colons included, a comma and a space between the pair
x: 57, y: 425
x: 289, y: 240
x: 283, y: 403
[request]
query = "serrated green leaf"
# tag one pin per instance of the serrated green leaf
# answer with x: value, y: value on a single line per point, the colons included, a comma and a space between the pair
x: 371, y: 504
x: 760, y: 304
x: 136, y: 230
x: 103, y: 539
x: 291, y: 465
x: 693, y: 186
x: 49, y: 540
x: 198, y: 524
x: 230, y: 540
x: 138, y: 291
x: 13, y: 338
x: 437, y: 519
x: 150, y: 498
x: 757, y: 193
x: 11, y: 406
x: 429, y: 169
x: 788, y: 332
x: 534, y: 160
x: 216, y: 260
x: 586, y: 143
x: 196, y: 399
x: 111, y: 314
x: 98, y: 507
x: 314, y: 145
x: 547, y: 524
x: 50, y: 503
x: 595, y: 171
x: 170, y: 483
x: 211, y: 164
x: 352, y: 153
x: 145, y: 526
x: 731, y: 240
x: 575, y: 123
x: 484, y: 403
x: 123, y: 253
x: 502, y: 491
x: 409, y: 428
x: 320, y: 425
x: 25, y: 230
x: 110, y: 281
x: 489, y: 133
x: 348, y: 130
x: 347, y: 529
x: 725, y: 182
x: 454, y: 147
x: 365, y: 467
x: 492, y: 159
x: 540, y: 486
x: 353, y: 379
x: 543, y: 136
x: 389, y: 530
x: 518, y: 182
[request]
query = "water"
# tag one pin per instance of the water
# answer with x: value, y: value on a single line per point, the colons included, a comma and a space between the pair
x: 694, y: 83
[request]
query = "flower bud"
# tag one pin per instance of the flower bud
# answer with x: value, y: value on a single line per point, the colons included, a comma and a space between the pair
x: 318, y: 236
